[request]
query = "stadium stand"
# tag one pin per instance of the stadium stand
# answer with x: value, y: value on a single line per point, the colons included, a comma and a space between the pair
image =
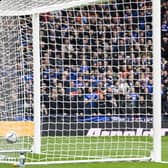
x: 92, y: 69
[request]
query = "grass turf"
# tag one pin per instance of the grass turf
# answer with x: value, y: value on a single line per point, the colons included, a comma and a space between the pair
x: 99, y: 165
x: 93, y: 146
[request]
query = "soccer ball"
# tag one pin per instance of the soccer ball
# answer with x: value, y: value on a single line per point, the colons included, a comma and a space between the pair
x: 11, y: 137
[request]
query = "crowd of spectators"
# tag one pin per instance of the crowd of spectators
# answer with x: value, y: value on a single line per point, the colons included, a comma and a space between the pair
x: 96, y: 60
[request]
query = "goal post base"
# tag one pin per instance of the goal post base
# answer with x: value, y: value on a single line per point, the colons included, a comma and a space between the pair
x: 92, y: 161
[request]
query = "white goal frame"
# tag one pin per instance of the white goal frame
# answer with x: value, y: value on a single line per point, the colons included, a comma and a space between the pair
x: 156, y: 154
x: 157, y: 81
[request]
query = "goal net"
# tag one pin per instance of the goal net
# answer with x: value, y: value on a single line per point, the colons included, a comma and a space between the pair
x: 76, y: 80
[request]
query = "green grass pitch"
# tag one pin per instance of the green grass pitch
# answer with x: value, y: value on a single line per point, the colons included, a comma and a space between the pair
x: 99, y: 165
x: 77, y: 145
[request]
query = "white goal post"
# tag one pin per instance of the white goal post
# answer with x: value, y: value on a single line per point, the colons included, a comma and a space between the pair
x: 80, y: 81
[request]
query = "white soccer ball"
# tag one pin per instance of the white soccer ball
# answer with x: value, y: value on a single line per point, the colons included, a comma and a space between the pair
x: 11, y: 137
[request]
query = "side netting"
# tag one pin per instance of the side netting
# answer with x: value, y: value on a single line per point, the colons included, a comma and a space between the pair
x: 15, y: 85
x: 96, y: 82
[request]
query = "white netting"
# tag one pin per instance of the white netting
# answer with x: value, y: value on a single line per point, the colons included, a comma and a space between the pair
x: 15, y: 87
x: 14, y: 5
x: 96, y: 79
x: 28, y: 7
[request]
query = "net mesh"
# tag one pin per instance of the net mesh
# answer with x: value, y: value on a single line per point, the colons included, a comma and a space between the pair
x: 96, y: 79
x: 16, y: 89
x: 25, y: 5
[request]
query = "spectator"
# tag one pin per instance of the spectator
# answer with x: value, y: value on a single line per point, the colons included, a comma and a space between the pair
x: 90, y: 101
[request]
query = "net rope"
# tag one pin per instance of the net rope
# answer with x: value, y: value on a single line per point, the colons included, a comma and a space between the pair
x: 96, y: 78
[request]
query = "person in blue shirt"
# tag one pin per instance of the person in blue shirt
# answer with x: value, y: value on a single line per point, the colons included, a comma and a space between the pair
x: 90, y: 101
